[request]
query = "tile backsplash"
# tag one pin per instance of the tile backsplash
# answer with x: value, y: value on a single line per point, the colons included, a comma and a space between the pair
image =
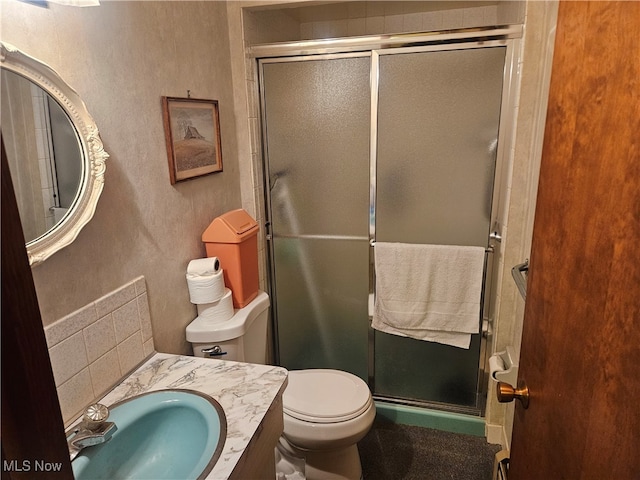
x: 93, y: 348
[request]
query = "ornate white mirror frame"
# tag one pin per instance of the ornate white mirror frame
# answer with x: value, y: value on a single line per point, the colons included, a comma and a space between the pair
x: 93, y: 154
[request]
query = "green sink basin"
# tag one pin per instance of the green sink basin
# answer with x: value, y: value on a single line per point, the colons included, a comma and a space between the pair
x: 167, y: 434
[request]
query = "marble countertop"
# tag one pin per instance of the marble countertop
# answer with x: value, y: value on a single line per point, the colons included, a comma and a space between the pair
x: 245, y: 391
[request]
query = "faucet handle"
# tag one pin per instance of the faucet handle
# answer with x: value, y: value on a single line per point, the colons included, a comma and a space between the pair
x: 95, y: 415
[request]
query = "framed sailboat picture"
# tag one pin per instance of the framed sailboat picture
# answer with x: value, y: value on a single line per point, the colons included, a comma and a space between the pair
x: 192, y: 133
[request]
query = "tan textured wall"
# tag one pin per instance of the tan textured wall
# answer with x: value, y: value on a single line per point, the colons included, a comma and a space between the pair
x: 121, y: 57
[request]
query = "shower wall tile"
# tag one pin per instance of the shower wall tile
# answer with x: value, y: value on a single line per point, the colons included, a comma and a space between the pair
x: 247, y: 185
x: 323, y: 12
x: 393, y: 23
x: 412, y: 22
x: 393, y: 8
x: 250, y: 69
x: 251, y: 184
x: 257, y: 174
x: 252, y: 99
x: 511, y: 12
x: 306, y: 31
x: 376, y: 18
x: 254, y: 127
x: 268, y: 26
x: 357, y: 27
x: 330, y: 29
x: 453, y: 18
x: 375, y: 9
x: 357, y: 9
x: 490, y: 15
x: 472, y: 17
x: 92, y: 349
x: 374, y: 25
x: 432, y: 21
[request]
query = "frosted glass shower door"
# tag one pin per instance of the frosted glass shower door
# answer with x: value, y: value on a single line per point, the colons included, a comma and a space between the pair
x: 317, y: 117
x: 438, y: 118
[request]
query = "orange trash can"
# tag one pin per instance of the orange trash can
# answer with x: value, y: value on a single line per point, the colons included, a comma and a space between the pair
x: 233, y: 238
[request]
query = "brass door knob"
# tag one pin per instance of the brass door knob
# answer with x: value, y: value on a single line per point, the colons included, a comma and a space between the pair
x: 506, y: 393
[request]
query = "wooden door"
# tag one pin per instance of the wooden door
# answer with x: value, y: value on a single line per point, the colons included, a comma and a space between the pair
x: 581, y: 342
x: 33, y: 441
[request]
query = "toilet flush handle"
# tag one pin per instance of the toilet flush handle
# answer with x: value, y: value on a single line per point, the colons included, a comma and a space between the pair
x: 215, y: 351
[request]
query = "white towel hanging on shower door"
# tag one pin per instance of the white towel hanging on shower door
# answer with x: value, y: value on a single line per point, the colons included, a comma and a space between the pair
x: 428, y: 292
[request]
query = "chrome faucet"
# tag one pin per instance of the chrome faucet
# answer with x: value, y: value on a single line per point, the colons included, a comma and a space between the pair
x: 92, y: 430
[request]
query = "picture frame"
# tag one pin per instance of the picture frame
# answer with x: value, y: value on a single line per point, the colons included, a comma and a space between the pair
x: 192, y: 133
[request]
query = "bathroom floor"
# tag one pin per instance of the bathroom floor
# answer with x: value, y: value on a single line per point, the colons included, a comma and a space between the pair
x: 394, y: 452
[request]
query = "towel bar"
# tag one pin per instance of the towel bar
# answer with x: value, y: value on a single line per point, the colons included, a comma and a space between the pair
x: 488, y: 249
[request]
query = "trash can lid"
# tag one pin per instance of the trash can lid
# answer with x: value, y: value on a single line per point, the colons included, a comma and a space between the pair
x: 232, y: 227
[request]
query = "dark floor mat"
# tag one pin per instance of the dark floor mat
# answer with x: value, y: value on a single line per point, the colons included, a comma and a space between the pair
x: 393, y: 452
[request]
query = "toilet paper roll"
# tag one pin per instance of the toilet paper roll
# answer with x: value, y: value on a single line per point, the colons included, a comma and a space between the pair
x: 206, y: 288
x: 203, y: 266
x: 217, y: 312
x: 496, y: 364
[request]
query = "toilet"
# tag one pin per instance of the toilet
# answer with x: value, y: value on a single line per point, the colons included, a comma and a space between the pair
x: 326, y: 412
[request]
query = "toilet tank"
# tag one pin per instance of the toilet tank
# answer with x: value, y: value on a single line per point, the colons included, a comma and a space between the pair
x: 243, y: 338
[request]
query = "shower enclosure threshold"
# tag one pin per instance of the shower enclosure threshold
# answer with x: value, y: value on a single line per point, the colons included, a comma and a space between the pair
x: 434, y: 416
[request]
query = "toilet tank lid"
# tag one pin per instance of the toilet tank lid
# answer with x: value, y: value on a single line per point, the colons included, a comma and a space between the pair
x: 325, y: 396
x: 199, y: 331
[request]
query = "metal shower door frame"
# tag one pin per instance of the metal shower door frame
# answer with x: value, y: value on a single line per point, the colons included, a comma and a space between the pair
x: 304, y: 51
x: 267, y: 182
x: 503, y: 147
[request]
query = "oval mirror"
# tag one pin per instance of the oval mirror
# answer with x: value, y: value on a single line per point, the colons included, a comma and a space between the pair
x: 54, y: 151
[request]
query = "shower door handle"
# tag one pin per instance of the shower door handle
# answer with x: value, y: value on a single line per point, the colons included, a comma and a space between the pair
x: 506, y: 393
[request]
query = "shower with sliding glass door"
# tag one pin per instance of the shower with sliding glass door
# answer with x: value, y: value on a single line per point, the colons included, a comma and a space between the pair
x: 381, y: 145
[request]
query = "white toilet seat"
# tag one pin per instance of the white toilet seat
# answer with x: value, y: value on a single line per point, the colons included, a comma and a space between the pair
x: 325, y: 396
